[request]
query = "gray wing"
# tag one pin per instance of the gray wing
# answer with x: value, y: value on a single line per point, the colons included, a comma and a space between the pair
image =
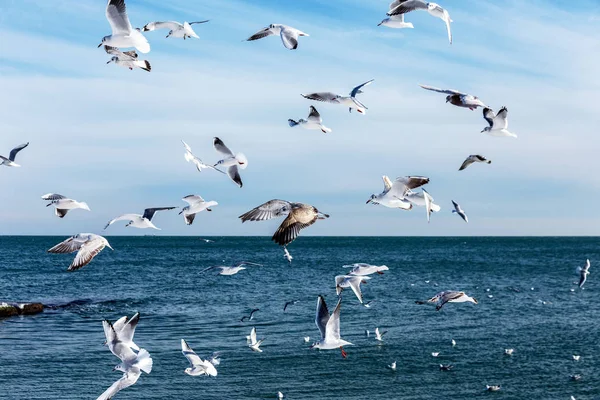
x: 13, y: 152
x: 221, y: 148
x: 396, y: 3
x: 289, y: 38
x: 116, y: 13
x: 271, y: 209
x: 447, y: 91
x: 333, y: 325
x: 456, y: 206
x: 53, y: 196
x: 190, y: 354
x: 87, y: 252
x: 128, y: 379
x: 466, y: 163
x: 326, y: 97
x: 314, y: 115
x: 67, y: 246
x: 357, y: 90
x: 128, y: 329
x: 408, y: 6
x: 170, y: 25
x: 489, y: 115
x: 322, y: 316
x: 410, y: 182
x: 500, y: 121
x: 234, y: 173
x: 149, y: 212
x: 261, y: 34
x: 199, y: 22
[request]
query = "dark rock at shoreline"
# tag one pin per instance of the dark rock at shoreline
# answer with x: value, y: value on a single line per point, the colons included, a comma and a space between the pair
x: 12, y: 309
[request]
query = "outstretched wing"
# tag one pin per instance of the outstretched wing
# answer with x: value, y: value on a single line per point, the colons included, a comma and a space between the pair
x: 322, y: 316
x: 191, y: 356
x: 149, y: 212
x: 333, y: 325
x: 447, y: 91
x: 289, y: 37
x: 124, y: 217
x: 263, y: 33
x: 489, y: 115
x: 170, y: 25
x: 193, y: 199
x: 87, y: 252
x: 221, y: 148
x: 314, y: 116
x: 53, y: 196
x: 290, y: 228
x: 199, y: 22
x: 116, y: 13
x: 270, y: 209
x: 67, y: 246
x: 500, y: 121
x: 357, y: 90
x: 408, y: 6
x: 326, y: 97
x: 234, y: 173
x: 13, y: 152
x: 466, y: 163
x: 129, y: 378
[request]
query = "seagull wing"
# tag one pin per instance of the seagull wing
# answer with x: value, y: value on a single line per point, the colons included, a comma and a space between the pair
x: 87, y: 252
x: 128, y: 379
x: 191, y: 356
x: 193, y: 199
x: 326, y: 97
x: 456, y: 206
x: 314, y: 115
x: 322, y: 316
x: 500, y: 121
x: 199, y: 22
x: 128, y: 330
x: 466, y: 163
x: 396, y: 3
x: 355, y: 286
x: 149, y: 212
x: 263, y: 33
x: 489, y: 115
x: 290, y: 228
x: 270, y: 209
x: 170, y: 25
x: 408, y: 6
x: 289, y: 37
x: 221, y: 148
x: 67, y: 246
x: 253, y: 336
x: 13, y: 152
x: 357, y: 90
x: 234, y: 173
x: 447, y: 91
x: 53, y: 196
x: 124, y: 217
x: 405, y: 183
x: 428, y: 201
x: 116, y: 13
x: 333, y: 325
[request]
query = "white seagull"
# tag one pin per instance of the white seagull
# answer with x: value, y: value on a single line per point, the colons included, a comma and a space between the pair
x: 498, y: 123
x: 350, y: 281
x: 396, y: 21
x: 449, y: 296
x: 127, y: 59
x: 123, y: 35
x: 125, y: 329
x: 583, y: 273
x: 10, y: 161
x: 255, y: 344
x: 279, y: 395
x: 392, y: 366
x: 349, y: 101
x: 459, y: 211
x: 62, y: 205
x: 287, y: 255
x: 196, y: 205
x: 453, y: 342
x: 457, y: 98
x: 190, y: 157
x: 366, y: 269
x: 435, y: 354
x: 198, y: 366
x: 176, y: 29
x: 139, y: 221
x: 314, y: 121
x: 329, y: 326
x: 473, y: 158
x: 576, y: 358
x: 231, y: 161
x: 379, y: 335
x: 394, y: 193
x: 509, y: 352
x: 289, y: 36
x: 422, y: 199
x: 87, y: 246
x: 492, y: 388
x: 231, y: 270
x: 434, y: 9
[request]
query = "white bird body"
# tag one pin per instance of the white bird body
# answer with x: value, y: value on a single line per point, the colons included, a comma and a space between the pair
x: 231, y: 270
x: 313, y: 122
x: 459, y: 211
x: 63, y: 204
x: 457, y: 98
x: 127, y: 59
x: 287, y: 255
x: 395, y: 193
x: 473, y: 158
x: 576, y: 358
x: 498, y: 123
x: 395, y: 21
x: 254, y: 344
x: 231, y: 161
x: 329, y: 326
x: 349, y: 101
x: 350, y: 281
x: 87, y: 246
x: 198, y: 366
x: 509, y: 352
x: 176, y: 29
x: 289, y: 36
x: 196, y: 205
x: 448, y: 296
x: 123, y: 35
x: 366, y: 269
x: 139, y: 221
x: 392, y: 366
x: 123, y: 351
x: 433, y: 9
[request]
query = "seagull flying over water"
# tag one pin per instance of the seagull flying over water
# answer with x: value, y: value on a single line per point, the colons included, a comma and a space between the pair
x: 287, y: 255
x: 195, y: 205
x: 509, y: 352
x: 459, y: 211
x: 366, y: 269
x: 139, y: 221
x: 432, y: 8
x: 231, y: 270
x: 473, y: 158
x: 314, y: 121
x: 329, y: 326
x: 392, y: 366
x: 176, y: 29
x: 255, y: 344
x: 249, y: 317
x: 350, y: 281
x: 289, y: 36
x: 583, y: 273
x: 62, y: 205
x: 423, y: 199
x: 379, y: 335
x: 231, y: 161
x: 125, y: 329
x: 198, y: 366
x: 190, y: 157
x: 394, y: 193
x: 396, y: 21
x: 349, y: 101
x: 123, y: 35
x: 10, y: 161
x: 289, y: 303
x: 457, y: 98
x: 498, y: 123
x: 87, y: 246
x: 298, y: 217
x: 127, y: 59
x: 449, y: 296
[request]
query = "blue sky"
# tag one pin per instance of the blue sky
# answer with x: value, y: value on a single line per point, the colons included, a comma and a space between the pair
x: 111, y: 137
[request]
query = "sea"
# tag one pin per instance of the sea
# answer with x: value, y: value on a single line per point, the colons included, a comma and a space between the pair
x: 526, y: 289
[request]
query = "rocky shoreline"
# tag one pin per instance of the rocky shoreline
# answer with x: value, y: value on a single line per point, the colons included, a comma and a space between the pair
x: 14, y: 309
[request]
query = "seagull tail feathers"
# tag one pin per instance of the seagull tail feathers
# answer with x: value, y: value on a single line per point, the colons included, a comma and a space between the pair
x: 144, y: 361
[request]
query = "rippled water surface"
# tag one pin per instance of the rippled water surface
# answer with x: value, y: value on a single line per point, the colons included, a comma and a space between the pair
x: 523, y: 286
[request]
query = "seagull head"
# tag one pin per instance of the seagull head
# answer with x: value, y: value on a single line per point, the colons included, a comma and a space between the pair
x: 371, y: 199
x: 486, y: 129
x: 104, y: 39
x: 448, y: 98
x: 113, y: 59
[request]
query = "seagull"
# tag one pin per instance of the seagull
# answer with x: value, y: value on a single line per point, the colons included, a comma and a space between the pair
x: 393, y: 195
x: 196, y: 205
x: 422, y: 199
x: 576, y: 358
x: 255, y: 344
x: 435, y: 354
x: 509, y: 352
x: 378, y: 335
x: 289, y: 35
x: 453, y: 342
x: 473, y: 158
x: 10, y: 161
x: 314, y: 121
x: 122, y: 350
x: 329, y: 326
x: 232, y: 270
x: 207, y: 240
x: 498, y: 123
x: 87, y: 246
x: 230, y: 161
x: 350, y: 281
x: 298, y: 217
x: 62, y: 205
x: 392, y: 366
x: 289, y: 303
x: 250, y: 317
x: 306, y: 339
x: 363, y: 269
x: 190, y: 157
x: 349, y: 101
x: 434, y: 9
x: 396, y: 21
x: 446, y: 367
x: 127, y: 59
x: 139, y: 221
x: 450, y: 296
x: 575, y: 377
x: 198, y: 365
x: 176, y: 29
x: 126, y: 329
x: 459, y: 211
x: 287, y: 255
x: 493, y: 388
x: 123, y: 35
x: 279, y: 395
x: 583, y: 273
x: 457, y: 98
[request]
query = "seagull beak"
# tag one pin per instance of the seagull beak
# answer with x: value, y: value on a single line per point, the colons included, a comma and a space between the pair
x: 368, y: 201
x: 109, y: 61
x: 322, y: 215
x: 99, y: 45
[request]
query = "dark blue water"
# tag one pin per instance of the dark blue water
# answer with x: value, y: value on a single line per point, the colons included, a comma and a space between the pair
x: 59, y: 354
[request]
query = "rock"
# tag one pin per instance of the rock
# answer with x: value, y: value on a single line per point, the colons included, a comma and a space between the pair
x: 6, y: 310
x: 10, y: 310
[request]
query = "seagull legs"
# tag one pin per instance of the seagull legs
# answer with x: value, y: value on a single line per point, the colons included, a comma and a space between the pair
x: 344, y: 354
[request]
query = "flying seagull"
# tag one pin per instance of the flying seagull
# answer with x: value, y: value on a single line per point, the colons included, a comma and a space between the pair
x: 350, y: 281
x: 190, y: 157
x: 396, y: 21
x: 123, y: 35
x: 329, y: 326
x: 314, y: 121
x: 498, y: 123
x: 366, y: 269
x: 176, y: 29
x: 139, y: 221
x: 457, y: 98
x: 62, y: 205
x: 195, y: 205
x: 197, y: 366
x: 127, y: 59
x: 231, y: 161
x: 231, y: 270
x: 249, y: 317
x: 449, y: 296
x: 125, y: 329
x: 349, y: 101
x: 432, y: 8
x: 289, y: 36
x: 289, y: 303
x: 473, y: 158
x: 298, y: 217
x: 459, y: 211
x: 87, y: 246
x: 379, y: 335
x: 10, y: 161
x: 255, y: 344
x: 287, y: 255
x: 394, y: 193
x: 583, y: 273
